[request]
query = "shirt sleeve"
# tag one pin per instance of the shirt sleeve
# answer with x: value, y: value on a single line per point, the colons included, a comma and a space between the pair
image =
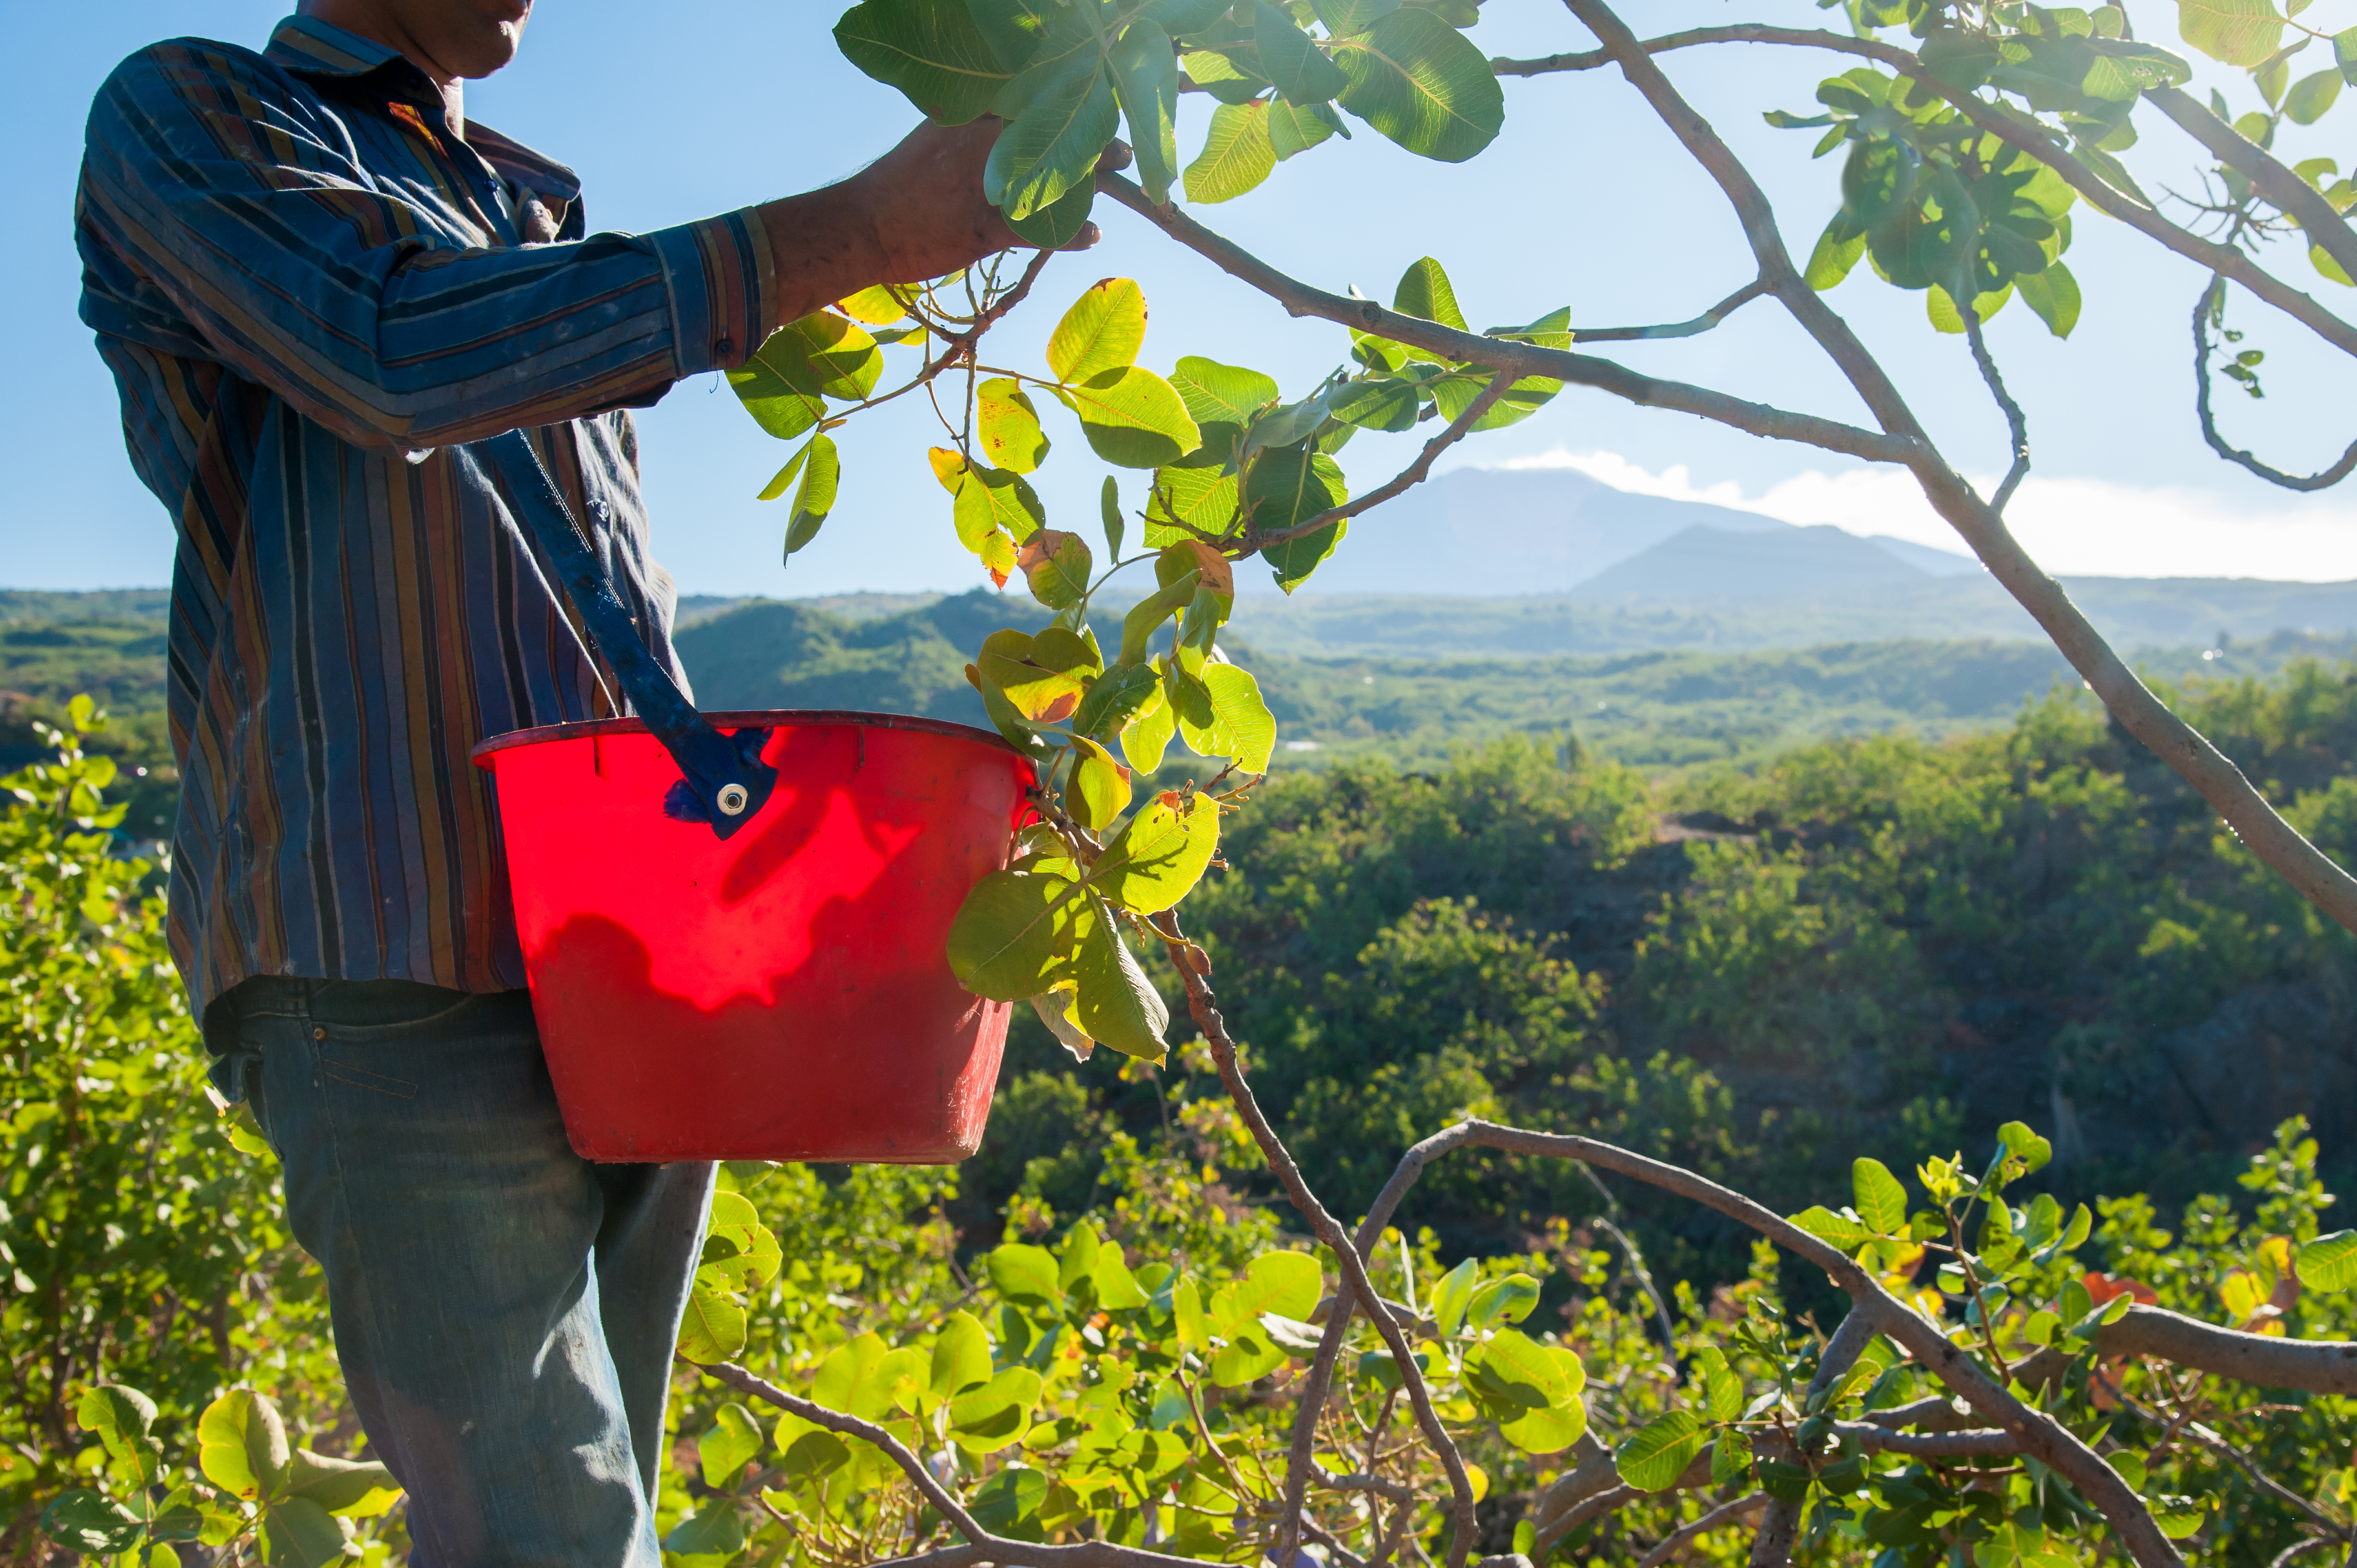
x: 245, y: 206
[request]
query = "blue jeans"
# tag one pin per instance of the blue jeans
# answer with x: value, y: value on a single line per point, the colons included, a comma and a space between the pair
x: 504, y: 1309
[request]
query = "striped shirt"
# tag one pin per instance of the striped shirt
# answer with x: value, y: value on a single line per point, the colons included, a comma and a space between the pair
x: 308, y: 292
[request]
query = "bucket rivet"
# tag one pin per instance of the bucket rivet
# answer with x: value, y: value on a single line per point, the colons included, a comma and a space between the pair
x: 732, y: 799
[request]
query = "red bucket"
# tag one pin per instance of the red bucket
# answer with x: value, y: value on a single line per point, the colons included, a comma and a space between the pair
x: 779, y: 995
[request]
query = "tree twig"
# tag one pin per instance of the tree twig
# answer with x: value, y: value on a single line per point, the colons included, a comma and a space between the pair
x: 2294, y: 197
x: 1699, y: 325
x: 1203, y: 1006
x: 1416, y: 473
x: 1716, y: 1518
x: 2323, y: 479
x: 2017, y: 423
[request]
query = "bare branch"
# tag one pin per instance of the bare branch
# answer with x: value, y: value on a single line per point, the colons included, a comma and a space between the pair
x: 1699, y: 325
x: 1716, y: 1518
x: 1595, y: 1506
x: 2293, y: 195
x: 2184, y: 748
x: 1773, y: 1546
x: 2017, y: 423
x: 1203, y: 1006
x: 2039, y: 1436
x: 2261, y: 1360
x: 1416, y: 473
x: 2322, y: 480
x: 1521, y: 358
x: 1979, y: 1444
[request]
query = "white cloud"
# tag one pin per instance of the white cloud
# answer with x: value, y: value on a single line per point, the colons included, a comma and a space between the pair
x: 2078, y: 526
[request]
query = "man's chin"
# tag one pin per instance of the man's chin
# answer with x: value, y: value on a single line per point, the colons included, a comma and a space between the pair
x: 494, y: 52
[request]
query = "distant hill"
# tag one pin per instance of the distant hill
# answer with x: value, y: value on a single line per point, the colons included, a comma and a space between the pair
x: 1705, y: 565
x: 1533, y: 530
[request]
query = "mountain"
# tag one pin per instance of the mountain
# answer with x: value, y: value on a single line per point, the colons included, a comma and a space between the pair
x: 1703, y: 564
x: 1531, y: 530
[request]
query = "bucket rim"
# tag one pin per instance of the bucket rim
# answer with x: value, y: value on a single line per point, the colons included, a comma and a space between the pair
x: 742, y: 718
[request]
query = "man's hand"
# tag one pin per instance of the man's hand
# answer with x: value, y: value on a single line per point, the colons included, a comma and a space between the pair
x: 915, y: 213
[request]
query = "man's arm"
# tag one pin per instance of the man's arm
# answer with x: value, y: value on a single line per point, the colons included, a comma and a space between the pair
x: 220, y: 190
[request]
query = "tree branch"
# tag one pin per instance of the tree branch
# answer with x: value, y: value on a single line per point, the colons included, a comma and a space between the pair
x: 2039, y: 1436
x: 1773, y: 1546
x: 1414, y: 474
x: 1521, y: 359
x: 980, y: 1545
x: 2017, y: 423
x: 2297, y: 199
x: 1699, y: 325
x: 2323, y: 479
x: 1203, y: 1006
x: 1723, y: 1515
x: 2184, y: 748
x: 2015, y: 129
x: 2261, y: 1360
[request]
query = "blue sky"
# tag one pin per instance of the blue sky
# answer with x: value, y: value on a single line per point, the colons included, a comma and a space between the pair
x: 1584, y: 201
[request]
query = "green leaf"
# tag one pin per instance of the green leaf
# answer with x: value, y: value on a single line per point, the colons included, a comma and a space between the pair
x: 1109, y: 505
x: 1133, y: 418
x: 1160, y: 855
x: 1102, y: 331
x: 1296, y: 128
x: 733, y: 1439
x: 2328, y: 1262
x: 2054, y: 293
x: 1023, y: 1272
x: 816, y: 498
x: 1543, y: 1380
x: 1117, y: 1006
x: 2324, y: 263
x: 1114, y: 699
x: 1654, y: 1458
x: 348, y: 1488
x: 1249, y: 1354
x: 2344, y: 53
x: 2021, y: 1144
x: 1147, y: 736
x: 1881, y: 1200
x: 1014, y: 28
x: 1201, y: 499
x: 1008, y: 933
x: 1721, y: 1384
x: 1839, y: 249
x: 1052, y: 145
x: 1236, y: 156
x: 299, y: 1533
x: 2311, y: 96
x: 1220, y: 77
x: 1840, y: 1230
x: 1099, y: 792
x: 930, y: 50
x: 241, y: 1446
x: 785, y: 475
x: 1508, y: 1299
x: 1286, y: 1284
x: 2233, y: 32
x: 92, y: 1525
x: 1242, y: 729
x: 1426, y: 292
x: 784, y: 385
x: 1043, y: 676
x: 1451, y: 1297
x: 988, y: 1419
x: 1217, y: 393
x: 1059, y: 224
x: 994, y: 501
x: 713, y: 1534
x: 1290, y: 60
x: 1146, y: 84
x: 847, y: 1378
x: 1007, y: 426
x: 961, y: 1356
x: 1003, y: 1503
x: 1343, y: 17
x: 713, y: 1327
x: 121, y: 1417
x: 1423, y: 84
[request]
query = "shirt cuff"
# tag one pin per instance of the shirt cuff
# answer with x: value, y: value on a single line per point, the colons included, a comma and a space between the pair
x: 723, y: 285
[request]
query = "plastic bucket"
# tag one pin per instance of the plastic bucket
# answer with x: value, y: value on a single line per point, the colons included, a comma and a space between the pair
x: 781, y: 995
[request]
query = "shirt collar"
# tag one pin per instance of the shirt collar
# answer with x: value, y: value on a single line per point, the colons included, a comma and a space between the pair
x: 309, y: 47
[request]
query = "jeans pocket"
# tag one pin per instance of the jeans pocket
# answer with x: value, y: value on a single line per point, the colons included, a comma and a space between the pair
x: 386, y: 1011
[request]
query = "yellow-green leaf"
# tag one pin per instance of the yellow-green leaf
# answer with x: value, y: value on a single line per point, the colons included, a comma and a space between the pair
x: 1007, y: 426
x: 1237, y: 154
x: 1100, y: 786
x: 1117, y: 1005
x: 241, y: 1446
x: 1160, y: 855
x: 713, y: 1327
x: 1009, y: 934
x: 1102, y: 331
x: 1133, y: 418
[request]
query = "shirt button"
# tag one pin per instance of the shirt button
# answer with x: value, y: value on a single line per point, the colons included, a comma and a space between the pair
x: 724, y: 347
x: 318, y: 1034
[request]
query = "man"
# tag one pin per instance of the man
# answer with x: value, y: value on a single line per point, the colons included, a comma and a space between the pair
x: 313, y: 278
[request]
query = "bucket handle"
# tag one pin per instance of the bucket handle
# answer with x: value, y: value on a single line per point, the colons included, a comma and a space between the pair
x: 722, y: 777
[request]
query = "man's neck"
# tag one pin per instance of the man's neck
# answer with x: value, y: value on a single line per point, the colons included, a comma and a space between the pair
x: 373, y: 22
